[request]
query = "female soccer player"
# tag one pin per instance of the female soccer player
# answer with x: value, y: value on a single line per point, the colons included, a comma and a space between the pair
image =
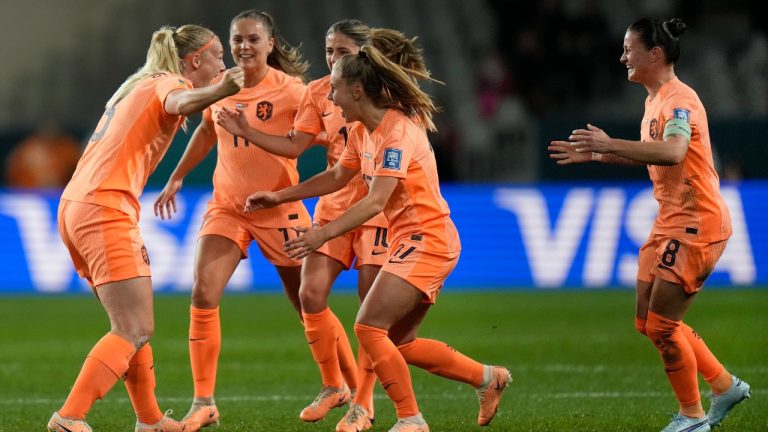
x: 390, y: 149
x: 693, y: 224
x: 99, y: 213
x: 366, y: 245
x: 270, y: 97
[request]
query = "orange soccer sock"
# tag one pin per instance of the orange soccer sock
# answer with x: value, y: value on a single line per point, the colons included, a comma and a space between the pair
x: 366, y: 380
x: 140, y: 383
x: 321, y: 335
x: 204, y: 348
x: 390, y: 367
x: 706, y: 362
x: 107, y: 361
x: 441, y: 359
x: 679, y: 361
x: 347, y: 361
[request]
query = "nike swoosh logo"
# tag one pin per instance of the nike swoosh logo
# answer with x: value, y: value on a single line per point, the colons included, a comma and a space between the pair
x: 196, y: 339
x: 396, y: 261
x: 311, y: 342
x: 63, y: 427
x: 326, y: 114
x: 693, y: 427
x: 377, y: 252
x: 387, y: 385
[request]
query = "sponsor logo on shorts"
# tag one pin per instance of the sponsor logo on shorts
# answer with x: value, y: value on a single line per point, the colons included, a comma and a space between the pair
x: 326, y: 114
x: 375, y: 252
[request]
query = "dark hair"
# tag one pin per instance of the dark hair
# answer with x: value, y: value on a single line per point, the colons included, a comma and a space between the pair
x: 664, y: 34
x: 284, y: 56
x: 356, y: 30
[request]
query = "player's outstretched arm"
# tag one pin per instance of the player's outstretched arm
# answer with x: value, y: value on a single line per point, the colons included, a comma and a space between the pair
x: 321, y: 184
x: 363, y: 210
x: 290, y: 146
x: 203, y: 139
x: 186, y: 102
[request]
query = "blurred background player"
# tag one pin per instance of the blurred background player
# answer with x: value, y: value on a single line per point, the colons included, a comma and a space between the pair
x: 99, y: 213
x: 270, y: 97
x: 392, y: 152
x: 693, y: 224
x: 366, y: 245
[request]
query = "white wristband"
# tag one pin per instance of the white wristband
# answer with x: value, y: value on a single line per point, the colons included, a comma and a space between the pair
x: 597, y: 156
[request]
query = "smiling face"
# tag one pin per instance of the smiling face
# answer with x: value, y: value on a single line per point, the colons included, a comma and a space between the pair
x: 251, y: 42
x: 637, y: 58
x: 337, y: 45
x: 344, y: 95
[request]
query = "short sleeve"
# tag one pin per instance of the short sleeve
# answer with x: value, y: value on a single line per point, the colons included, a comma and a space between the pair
x: 394, y: 153
x: 169, y: 83
x: 350, y: 157
x: 682, y: 107
x: 308, y: 118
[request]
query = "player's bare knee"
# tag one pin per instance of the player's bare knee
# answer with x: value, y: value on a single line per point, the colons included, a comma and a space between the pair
x: 204, y: 298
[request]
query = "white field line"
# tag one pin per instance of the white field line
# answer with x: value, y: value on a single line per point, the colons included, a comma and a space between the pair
x: 289, y: 398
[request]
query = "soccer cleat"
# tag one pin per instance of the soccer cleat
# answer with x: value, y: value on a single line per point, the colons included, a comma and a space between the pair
x: 722, y: 404
x: 202, y: 415
x: 490, y: 394
x: 355, y: 420
x: 411, y: 424
x: 166, y: 424
x: 682, y: 423
x: 58, y: 423
x: 328, y: 399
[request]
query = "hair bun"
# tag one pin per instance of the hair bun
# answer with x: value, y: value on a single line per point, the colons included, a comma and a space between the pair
x: 675, y: 27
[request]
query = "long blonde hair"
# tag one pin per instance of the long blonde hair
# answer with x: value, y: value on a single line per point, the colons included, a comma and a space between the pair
x: 284, y: 56
x: 399, y: 48
x: 166, y: 50
x: 388, y: 84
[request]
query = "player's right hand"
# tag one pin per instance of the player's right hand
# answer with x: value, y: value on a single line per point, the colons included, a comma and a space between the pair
x: 232, y: 80
x: 261, y: 200
x: 166, y: 201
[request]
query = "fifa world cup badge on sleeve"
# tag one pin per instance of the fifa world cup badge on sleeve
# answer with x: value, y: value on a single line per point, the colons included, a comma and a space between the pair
x: 392, y: 158
x: 682, y: 114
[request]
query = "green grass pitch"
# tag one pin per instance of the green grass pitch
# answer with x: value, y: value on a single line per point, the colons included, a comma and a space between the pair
x: 577, y: 362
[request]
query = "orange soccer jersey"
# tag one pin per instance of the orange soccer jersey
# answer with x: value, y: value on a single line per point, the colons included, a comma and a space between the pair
x: 243, y: 168
x: 316, y: 114
x: 130, y: 140
x: 425, y: 243
x: 690, y: 203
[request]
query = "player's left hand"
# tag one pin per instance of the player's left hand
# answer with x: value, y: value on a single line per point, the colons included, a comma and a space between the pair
x: 591, y: 139
x: 233, y: 122
x: 310, y: 238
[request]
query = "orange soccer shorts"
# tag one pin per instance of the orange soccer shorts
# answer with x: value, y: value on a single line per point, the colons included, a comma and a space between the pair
x: 424, y: 269
x: 685, y: 262
x: 105, y: 244
x: 365, y: 245
x: 241, y: 230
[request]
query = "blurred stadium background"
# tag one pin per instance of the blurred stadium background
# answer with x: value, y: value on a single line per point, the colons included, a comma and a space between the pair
x: 518, y: 75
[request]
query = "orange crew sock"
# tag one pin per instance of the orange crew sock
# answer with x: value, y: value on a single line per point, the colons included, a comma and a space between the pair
x: 709, y: 367
x: 321, y: 335
x: 347, y: 361
x: 107, y: 361
x: 366, y: 380
x: 390, y: 367
x: 204, y: 348
x: 443, y: 360
x: 140, y: 383
x: 679, y: 361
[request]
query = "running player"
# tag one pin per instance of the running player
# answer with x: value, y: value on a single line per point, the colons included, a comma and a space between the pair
x: 270, y: 98
x: 693, y: 223
x: 390, y: 150
x: 99, y: 214
x: 365, y: 245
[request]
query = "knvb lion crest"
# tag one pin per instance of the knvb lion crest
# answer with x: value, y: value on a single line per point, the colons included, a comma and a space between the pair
x: 653, y: 129
x: 264, y: 110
